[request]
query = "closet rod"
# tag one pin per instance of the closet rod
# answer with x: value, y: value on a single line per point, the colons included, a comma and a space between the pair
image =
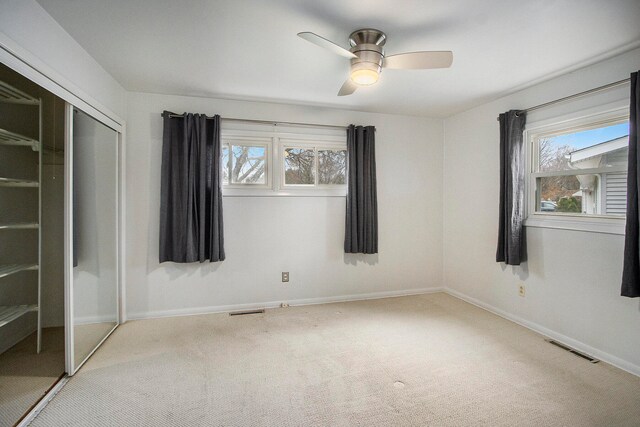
x: 577, y: 95
x: 268, y: 122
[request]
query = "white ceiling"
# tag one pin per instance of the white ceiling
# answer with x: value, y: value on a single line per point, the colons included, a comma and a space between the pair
x: 248, y: 49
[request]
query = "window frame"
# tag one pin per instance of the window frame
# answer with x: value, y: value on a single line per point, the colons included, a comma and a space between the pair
x: 276, y: 138
x: 608, y: 224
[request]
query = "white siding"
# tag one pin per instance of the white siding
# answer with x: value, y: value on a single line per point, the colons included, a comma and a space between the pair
x: 616, y: 193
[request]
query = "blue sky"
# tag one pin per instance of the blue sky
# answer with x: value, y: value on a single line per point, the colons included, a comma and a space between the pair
x: 591, y: 137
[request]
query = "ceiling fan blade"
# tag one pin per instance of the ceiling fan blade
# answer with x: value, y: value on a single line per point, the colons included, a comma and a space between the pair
x: 347, y: 88
x: 327, y: 44
x: 419, y: 60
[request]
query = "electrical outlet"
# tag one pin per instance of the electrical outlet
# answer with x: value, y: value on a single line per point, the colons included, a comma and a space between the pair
x: 521, y: 290
x: 285, y: 276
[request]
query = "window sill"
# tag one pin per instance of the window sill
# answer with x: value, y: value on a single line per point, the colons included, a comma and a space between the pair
x: 576, y: 223
x: 301, y: 192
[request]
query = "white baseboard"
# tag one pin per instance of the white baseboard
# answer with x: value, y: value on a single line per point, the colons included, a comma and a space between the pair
x: 273, y: 304
x: 578, y: 345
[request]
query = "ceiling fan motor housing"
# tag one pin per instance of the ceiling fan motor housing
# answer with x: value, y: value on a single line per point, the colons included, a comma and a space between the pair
x: 368, y: 36
x: 367, y: 45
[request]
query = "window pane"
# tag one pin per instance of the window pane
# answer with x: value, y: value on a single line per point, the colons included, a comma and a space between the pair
x: 553, y: 189
x: 579, y: 194
x: 332, y: 166
x: 299, y: 166
x: 224, y: 164
x: 248, y: 164
x: 593, y: 148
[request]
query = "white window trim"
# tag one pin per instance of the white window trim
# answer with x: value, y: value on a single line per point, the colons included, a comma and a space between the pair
x: 617, y: 111
x: 276, y: 141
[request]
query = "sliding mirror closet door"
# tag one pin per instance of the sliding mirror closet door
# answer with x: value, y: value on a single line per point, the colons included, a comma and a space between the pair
x: 94, y: 234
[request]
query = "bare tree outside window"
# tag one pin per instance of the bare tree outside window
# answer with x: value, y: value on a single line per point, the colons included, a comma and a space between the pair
x: 247, y: 164
x: 556, y: 158
x: 299, y: 167
x: 312, y: 166
x: 332, y: 167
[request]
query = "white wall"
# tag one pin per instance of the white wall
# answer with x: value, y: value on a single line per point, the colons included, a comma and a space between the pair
x: 572, y: 278
x: 30, y: 28
x: 302, y: 235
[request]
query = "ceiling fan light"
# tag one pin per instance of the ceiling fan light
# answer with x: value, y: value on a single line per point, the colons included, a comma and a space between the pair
x: 364, y: 77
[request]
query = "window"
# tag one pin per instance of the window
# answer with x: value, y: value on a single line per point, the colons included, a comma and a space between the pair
x: 299, y: 166
x: 578, y: 172
x: 332, y: 167
x: 245, y: 162
x: 265, y: 161
x: 314, y: 166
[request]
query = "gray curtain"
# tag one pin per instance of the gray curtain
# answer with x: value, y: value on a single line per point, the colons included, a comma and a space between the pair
x: 511, y: 243
x: 361, y: 228
x: 191, y: 227
x: 631, y: 270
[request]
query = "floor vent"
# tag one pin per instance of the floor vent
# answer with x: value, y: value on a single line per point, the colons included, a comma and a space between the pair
x: 242, y: 313
x: 574, y: 351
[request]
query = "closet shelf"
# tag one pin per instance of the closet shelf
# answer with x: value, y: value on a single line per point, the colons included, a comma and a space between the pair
x: 9, y: 269
x: 15, y: 182
x: 19, y: 226
x: 12, y: 95
x: 9, y: 313
x: 15, y: 139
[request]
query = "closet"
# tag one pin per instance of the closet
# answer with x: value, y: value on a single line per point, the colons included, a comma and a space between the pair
x: 59, y: 239
x: 32, y: 281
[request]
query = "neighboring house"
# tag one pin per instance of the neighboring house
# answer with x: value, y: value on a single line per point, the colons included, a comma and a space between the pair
x: 611, y: 185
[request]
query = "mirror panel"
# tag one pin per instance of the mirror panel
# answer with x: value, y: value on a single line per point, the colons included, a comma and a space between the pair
x: 95, y: 225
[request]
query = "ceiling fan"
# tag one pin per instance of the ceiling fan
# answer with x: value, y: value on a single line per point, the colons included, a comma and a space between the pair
x: 368, y: 58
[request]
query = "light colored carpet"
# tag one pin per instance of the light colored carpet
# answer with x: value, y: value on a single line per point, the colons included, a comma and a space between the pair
x: 409, y: 361
x: 25, y: 376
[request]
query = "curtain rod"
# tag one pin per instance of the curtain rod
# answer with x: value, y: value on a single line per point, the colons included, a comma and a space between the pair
x: 577, y: 95
x: 267, y: 122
